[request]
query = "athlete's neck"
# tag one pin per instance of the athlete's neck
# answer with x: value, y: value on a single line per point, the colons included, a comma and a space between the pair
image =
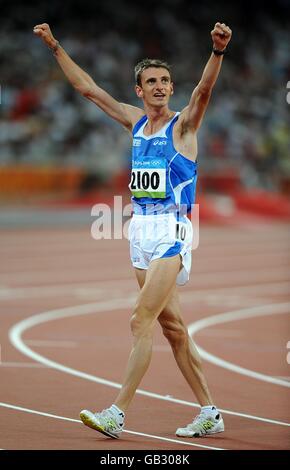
x: 157, y: 118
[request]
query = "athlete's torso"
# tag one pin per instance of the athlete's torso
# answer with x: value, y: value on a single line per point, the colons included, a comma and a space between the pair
x: 163, y: 180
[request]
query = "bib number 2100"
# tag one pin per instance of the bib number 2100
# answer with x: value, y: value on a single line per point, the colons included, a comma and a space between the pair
x: 148, y: 183
x: 143, y: 180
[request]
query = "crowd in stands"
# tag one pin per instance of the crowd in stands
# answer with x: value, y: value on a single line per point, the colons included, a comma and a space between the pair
x: 43, y: 120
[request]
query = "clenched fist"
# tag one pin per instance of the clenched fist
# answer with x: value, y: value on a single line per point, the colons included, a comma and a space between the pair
x: 44, y: 32
x: 221, y: 35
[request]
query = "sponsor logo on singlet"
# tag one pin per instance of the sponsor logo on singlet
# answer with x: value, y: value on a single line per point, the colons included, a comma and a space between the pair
x: 160, y: 142
x: 136, y: 142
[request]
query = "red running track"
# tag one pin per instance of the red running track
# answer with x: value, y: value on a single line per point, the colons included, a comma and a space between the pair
x: 76, y: 293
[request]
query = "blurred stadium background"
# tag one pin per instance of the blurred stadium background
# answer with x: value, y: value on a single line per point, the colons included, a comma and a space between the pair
x: 59, y: 150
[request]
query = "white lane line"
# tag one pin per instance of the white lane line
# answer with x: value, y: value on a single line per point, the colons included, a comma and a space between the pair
x: 241, y: 314
x: 28, y: 365
x: 152, y: 436
x: 16, y: 332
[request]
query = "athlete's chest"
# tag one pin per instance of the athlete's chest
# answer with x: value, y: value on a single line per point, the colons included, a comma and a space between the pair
x: 161, y: 147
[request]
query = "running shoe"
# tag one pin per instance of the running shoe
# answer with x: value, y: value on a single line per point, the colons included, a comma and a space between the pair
x: 204, y: 424
x: 106, y: 422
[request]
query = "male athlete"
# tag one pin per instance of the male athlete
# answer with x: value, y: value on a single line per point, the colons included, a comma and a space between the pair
x: 164, y: 172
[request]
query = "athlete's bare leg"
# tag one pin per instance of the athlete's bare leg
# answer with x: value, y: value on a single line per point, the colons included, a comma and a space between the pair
x: 183, y: 347
x: 155, y: 292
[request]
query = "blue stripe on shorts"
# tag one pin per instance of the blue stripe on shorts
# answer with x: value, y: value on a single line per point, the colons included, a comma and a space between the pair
x: 173, y: 250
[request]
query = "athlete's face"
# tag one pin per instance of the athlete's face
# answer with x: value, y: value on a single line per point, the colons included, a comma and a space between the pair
x: 156, y: 86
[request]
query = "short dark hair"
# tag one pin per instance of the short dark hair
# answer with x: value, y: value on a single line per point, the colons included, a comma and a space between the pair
x: 145, y: 64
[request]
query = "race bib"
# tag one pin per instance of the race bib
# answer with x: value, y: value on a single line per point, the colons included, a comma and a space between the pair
x: 148, y: 178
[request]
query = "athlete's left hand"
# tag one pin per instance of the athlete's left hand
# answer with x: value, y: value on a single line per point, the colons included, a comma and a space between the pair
x: 221, y: 36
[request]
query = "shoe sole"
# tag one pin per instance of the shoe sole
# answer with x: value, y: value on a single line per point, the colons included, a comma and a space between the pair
x: 200, y: 435
x: 91, y: 424
x: 208, y: 433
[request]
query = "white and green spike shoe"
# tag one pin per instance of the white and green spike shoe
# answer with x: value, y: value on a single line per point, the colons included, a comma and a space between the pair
x: 105, y: 422
x: 204, y: 424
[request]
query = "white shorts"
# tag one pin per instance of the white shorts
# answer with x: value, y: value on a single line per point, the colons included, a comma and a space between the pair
x: 161, y: 236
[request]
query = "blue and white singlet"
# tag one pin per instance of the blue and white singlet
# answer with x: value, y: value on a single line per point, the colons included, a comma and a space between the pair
x: 162, y: 180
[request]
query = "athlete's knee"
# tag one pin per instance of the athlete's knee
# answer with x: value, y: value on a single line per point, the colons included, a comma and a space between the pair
x: 142, y: 321
x: 176, y: 333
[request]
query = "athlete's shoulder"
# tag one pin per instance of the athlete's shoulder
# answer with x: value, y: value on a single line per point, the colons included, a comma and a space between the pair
x: 134, y: 113
x: 139, y: 124
x: 181, y: 124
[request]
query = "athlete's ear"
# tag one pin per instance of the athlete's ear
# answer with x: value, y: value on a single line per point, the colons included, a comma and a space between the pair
x: 139, y: 91
x: 172, y: 89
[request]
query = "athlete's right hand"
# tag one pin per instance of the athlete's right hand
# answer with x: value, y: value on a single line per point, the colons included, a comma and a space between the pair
x: 44, y: 32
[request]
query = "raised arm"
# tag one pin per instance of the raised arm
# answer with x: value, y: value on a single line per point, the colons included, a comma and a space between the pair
x: 193, y: 113
x: 125, y: 114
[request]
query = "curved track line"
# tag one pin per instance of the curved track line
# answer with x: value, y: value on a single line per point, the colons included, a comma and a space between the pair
x: 16, y: 332
x: 241, y: 314
x: 152, y: 436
